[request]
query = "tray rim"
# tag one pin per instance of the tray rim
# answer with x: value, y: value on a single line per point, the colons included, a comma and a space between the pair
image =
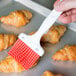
x: 35, y: 6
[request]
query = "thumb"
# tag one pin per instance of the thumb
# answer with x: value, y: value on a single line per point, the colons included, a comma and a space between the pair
x: 64, y: 5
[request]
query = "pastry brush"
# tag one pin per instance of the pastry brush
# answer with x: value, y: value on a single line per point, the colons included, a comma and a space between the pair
x: 27, y: 49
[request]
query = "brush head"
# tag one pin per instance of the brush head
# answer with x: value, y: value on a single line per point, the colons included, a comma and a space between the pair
x: 26, y: 54
x: 23, y: 54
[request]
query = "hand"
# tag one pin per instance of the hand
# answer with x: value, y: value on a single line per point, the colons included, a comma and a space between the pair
x: 68, y: 7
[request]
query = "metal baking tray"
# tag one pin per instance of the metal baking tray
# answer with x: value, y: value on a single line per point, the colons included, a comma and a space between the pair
x: 46, y: 63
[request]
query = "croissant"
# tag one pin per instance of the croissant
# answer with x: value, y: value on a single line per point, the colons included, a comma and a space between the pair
x: 48, y: 73
x: 7, y: 40
x: 11, y: 65
x: 53, y: 35
x: 17, y: 18
x: 67, y: 53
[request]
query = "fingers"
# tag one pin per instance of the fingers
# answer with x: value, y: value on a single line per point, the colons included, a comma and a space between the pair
x: 65, y: 19
x: 73, y: 17
x: 70, y: 7
x: 69, y: 12
x: 64, y: 5
x: 74, y: 11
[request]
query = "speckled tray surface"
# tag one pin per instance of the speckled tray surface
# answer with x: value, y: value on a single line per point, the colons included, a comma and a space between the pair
x: 46, y: 63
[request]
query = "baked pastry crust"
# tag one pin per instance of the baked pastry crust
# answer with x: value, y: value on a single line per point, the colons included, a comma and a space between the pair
x: 67, y: 53
x: 53, y: 35
x: 17, y: 18
x: 7, y: 40
x: 48, y: 73
x: 11, y: 65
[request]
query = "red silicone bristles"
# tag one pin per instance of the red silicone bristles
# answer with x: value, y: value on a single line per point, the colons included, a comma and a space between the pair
x: 23, y: 54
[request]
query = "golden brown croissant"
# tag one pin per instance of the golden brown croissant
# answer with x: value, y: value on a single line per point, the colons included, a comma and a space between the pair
x: 48, y: 73
x: 17, y: 18
x: 7, y: 40
x: 11, y: 65
x: 53, y: 35
x: 67, y: 53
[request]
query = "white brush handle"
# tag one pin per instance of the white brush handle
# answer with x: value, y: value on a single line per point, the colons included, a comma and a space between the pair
x: 34, y: 41
x: 47, y: 23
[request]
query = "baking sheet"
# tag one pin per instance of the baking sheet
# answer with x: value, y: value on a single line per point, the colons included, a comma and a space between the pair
x: 46, y: 63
